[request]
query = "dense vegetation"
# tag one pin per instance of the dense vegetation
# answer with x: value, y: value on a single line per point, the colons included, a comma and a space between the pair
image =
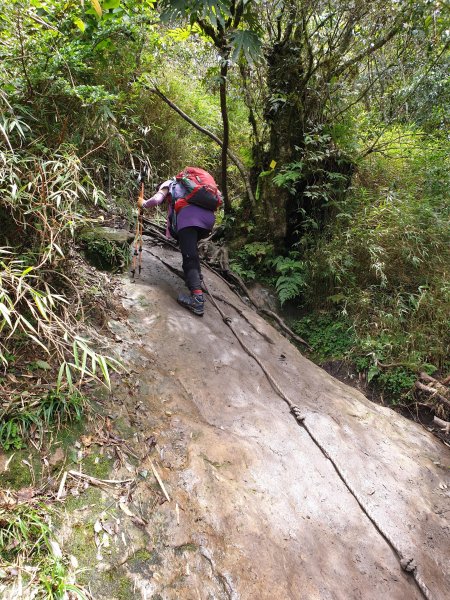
x: 326, y: 123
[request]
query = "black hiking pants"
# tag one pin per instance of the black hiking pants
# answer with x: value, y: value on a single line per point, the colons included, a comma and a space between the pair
x: 188, y: 238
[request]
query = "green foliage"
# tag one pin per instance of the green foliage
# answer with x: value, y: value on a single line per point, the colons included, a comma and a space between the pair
x: 26, y: 538
x: 245, y: 42
x: 108, y: 255
x: 386, y: 257
x: 223, y: 21
x: 291, y: 281
x: 256, y: 260
x: 260, y: 251
x: 317, y: 181
x: 52, y: 410
x: 58, y: 407
x: 330, y: 335
x: 329, y: 100
x: 24, y: 531
x: 396, y: 381
x: 42, y: 197
x: 333, y: 337
x: 289, y: 176
x: 247, y: 273
x: 383, y: 262
x: 30, y: 310
x: 251, y: 260
x: 172, y: 137
x: 10, y: 434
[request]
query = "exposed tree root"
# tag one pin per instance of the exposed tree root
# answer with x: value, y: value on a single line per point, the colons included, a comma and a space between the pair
x: 437, y: 394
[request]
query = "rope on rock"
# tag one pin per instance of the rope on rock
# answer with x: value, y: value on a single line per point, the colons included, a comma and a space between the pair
x: 407, y: 563
x: 159, y: 233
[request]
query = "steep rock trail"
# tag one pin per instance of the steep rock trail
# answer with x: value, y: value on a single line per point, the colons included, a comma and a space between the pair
x: 257, y: 510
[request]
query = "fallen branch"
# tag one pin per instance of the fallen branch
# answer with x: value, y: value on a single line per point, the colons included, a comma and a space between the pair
x: 444, y: 425
x: 61, y: 492
x: 159, y: 480
x: 283, y: 325
x: 439, y: 386
x: 95, y: 481
x: 266, y: 311
x: 159, y: 234
x: 434, y: 393
x: 243, y: 287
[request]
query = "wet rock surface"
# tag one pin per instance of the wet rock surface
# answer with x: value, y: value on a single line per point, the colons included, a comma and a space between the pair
x: 256, y: 509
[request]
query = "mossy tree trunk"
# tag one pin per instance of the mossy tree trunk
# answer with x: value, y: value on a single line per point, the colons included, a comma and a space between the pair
x: 284, y: 113
x: 310, y: 55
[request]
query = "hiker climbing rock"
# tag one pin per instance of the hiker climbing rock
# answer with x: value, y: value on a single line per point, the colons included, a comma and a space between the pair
x: 193, y: 197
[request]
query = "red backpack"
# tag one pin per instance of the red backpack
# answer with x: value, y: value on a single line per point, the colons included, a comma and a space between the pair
x: 201, y: 188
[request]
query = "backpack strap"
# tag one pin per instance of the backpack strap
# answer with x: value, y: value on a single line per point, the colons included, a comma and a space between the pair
x: 172, y: 214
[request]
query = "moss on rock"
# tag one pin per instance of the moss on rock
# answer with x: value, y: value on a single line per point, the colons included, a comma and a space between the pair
x: 97, y: 465
x: 19, y: 474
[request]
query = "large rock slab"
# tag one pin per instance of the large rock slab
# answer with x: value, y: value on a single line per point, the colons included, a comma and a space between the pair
x: 257, y: 508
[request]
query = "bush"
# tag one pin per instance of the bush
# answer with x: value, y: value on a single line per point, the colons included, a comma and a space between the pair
x: 107, y: 255
x: 330, y: 335
x: 384, y: 261
x: 38, y: 413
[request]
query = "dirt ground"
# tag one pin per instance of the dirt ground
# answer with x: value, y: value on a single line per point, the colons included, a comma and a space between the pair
x: 248, y: 506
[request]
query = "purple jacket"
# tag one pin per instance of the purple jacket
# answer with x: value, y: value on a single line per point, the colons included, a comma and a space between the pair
x: 189, y: 216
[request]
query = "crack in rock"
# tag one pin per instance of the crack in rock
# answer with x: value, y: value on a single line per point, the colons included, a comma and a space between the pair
x: 223, y: 578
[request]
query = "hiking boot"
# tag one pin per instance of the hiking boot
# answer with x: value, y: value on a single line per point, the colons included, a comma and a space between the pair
x: 193, y: 302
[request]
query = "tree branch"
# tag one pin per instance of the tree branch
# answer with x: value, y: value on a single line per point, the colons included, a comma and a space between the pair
x: 248, y: 101
x: 367, y: 51
x: 226, y: 129
x: 211, y: 135
x: 373, y: 147
x: 209, y: 30
x: 364, y: 92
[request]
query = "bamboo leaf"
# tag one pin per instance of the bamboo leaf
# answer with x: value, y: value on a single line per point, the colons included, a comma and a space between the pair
x: 58, y: 249
x: 75, y: 354
x: 72, y: 588
x: 104, y: 368
x: 69, y: 376
x: 41, y: 307
x: 35, y: 339
x: 83, y: 363
x: 60, y: 376
x: 97, y: 7
x: 5, y: 312
x: 27, y: 323
x: 80, y: 24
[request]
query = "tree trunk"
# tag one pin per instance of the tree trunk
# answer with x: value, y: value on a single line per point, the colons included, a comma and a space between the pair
x: 296, y: 108
x: 284, y: 114
x: 226, y: 130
